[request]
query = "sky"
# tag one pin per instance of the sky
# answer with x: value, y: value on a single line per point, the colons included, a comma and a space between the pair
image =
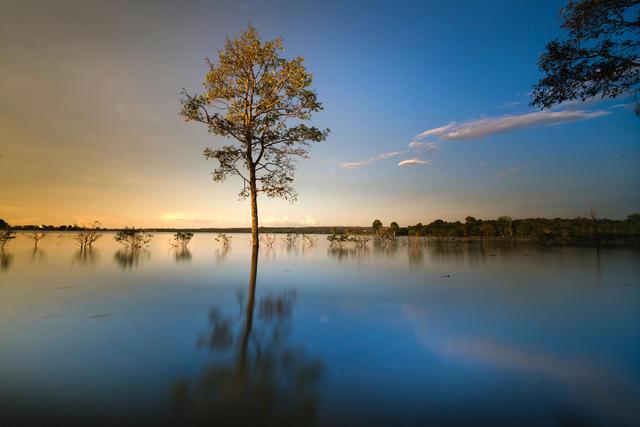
x: 427, y: 103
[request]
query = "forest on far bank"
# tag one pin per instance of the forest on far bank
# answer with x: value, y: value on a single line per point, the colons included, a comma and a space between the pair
x: 560, y: 231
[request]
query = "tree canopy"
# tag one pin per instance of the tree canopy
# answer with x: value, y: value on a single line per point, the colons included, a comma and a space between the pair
x: 600, y: 57
x: 258, y: 99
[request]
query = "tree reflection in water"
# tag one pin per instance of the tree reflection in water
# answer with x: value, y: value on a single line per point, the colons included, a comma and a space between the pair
x: 263, y: 381
x: 129, y: 258
x: 6, y: 259
x: 346, y: 253
x: 182, y: 254
x: 86, y: 256
x: 37, y: 254
x: 388, y: 248
x: 221, y: 253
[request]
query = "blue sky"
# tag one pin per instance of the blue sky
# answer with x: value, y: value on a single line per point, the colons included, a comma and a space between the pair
x: 106, y: 80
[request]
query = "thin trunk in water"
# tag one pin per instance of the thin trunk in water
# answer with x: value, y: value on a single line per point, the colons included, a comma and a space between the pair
x: 254, y: 208
x: 248, y: 322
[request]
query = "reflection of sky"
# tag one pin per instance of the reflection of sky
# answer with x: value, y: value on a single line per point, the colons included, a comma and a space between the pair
x: 536, y: 334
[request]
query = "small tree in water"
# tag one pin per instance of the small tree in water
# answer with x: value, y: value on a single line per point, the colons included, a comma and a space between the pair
x: 225, y: 239
x: 251, y: 95
x: 181, y: 239
x: 6, y: 235
x: 132, y: 238
x: 88, y: 236
x: 36, y: 237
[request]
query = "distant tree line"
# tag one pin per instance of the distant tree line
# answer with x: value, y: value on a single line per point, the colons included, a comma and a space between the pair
x: 556, y: 231
x: 44, y: 227
x: 277, y: 230
x: 578, y: 231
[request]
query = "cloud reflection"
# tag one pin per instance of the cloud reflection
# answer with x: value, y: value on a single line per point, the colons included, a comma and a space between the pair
x: 583, y: 380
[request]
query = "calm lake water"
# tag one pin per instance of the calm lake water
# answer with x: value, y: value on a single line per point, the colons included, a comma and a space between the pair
x: 441, y: 335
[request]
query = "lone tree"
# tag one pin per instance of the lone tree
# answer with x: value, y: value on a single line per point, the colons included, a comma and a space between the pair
x: 600, y: 57
x: 258, y: 99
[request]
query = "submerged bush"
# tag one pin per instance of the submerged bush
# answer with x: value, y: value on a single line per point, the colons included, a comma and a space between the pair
x: 225, y: 239
x: 268, y: 239
x: 6, y: 235
x: 87, y: 237
x: 36, y: 237
x: 291, y: 238
x: 181, y: 239
x: 337, y: 239
x: 132, y: 238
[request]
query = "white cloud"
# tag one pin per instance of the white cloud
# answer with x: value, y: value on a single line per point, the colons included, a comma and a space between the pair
x: 389, y: 155
x: 436, y: 131
x: 427, y: 146
x: 177, y: 216
x: 308, y: 221
x: 355, y: 165
x: 286, y: 221
x: 414, y: 162
x: 510, y: 171
x: 483, y: 127
x: 627, y: 105
x: 363, y: 163
x: 275, y: 220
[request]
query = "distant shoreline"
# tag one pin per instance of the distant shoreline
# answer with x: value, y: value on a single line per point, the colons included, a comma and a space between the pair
x: 275, y: 230
x: 579, y: 231
x: 602, y: 241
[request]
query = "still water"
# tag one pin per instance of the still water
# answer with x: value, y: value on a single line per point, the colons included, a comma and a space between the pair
x: 441, y: 335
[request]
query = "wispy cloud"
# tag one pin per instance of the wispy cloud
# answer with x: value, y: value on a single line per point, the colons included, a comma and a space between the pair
x: 427, y: 146
x: 389, y: 155
x: 275, y: 220
x: 177, y: 216
x: 510, y: 171
x: 286, y: 221
x: 627, y: 105
x: 355, y: 165
x: 308, y: 221
x: 436, y: 131
x: 414, y: 162
x: 483, y: 127
x: 510, y: 104
x: 363, y: 163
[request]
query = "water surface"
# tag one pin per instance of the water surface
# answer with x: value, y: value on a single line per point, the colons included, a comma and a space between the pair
x: 312, y: 335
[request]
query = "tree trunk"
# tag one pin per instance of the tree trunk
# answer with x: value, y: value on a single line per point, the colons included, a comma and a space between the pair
x: 254, y: 208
